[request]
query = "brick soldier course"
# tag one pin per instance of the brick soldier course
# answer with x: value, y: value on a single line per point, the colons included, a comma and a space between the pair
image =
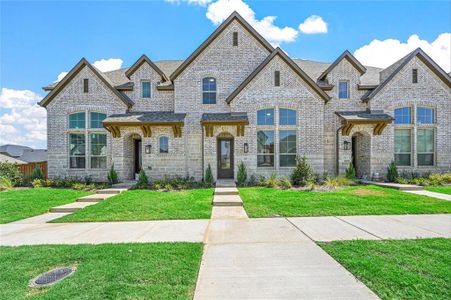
x: 244, y: 69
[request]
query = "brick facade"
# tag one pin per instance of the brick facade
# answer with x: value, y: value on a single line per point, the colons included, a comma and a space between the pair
x: 317, y: 125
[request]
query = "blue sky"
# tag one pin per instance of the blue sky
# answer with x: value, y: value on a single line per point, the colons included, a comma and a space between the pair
x: 39, y: 40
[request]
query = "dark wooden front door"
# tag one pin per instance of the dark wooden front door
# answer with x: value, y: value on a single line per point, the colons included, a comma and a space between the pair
x: 225, y: 158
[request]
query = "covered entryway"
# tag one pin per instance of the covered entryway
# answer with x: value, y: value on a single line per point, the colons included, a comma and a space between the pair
x: 225, y: 157
x: 361, y: 154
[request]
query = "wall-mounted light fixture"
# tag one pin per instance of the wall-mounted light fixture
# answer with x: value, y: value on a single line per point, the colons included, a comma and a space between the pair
x: 148, y: 149
x: 346, y: 145
x: 246, y: 148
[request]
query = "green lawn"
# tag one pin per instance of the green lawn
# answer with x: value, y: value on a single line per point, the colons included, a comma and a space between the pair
x: 138, y: 205
x: 409, y: 269
x: 439, y: 189
x: 357, y: 200
x: 21, y: 204
x: 121, y: 271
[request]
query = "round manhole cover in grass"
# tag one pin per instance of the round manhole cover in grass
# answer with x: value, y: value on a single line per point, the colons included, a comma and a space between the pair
x: 51, y: 277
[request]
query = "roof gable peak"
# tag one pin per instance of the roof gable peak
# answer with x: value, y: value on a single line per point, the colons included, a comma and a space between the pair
x: 71, y: 75
x: 234, y: 16
x: 348, y: 56
x: 139, y: 62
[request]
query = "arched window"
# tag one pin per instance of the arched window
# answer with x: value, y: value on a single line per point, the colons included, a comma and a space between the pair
x: 96, y: 119
x: 209, y: 90
x: 287, y: 116
x: 77, y: 120
x: 403, y: 115
x: 265, y: 116
x: 164, y: 144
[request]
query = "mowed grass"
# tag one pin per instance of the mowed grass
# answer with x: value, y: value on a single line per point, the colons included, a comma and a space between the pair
x: 356, y: 200
x: 140, y: 205
x: 439, y: 189
x: 408, y: 269
x: 121, y: 271
x: 25, y: 203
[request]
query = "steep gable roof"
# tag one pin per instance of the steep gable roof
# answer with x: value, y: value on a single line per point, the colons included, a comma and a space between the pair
x: 71, y: 75
x: 139, y: 62
x: 345, y: 55
x: 290, y: 63
x: 234, y: 16
x: 403, y: 62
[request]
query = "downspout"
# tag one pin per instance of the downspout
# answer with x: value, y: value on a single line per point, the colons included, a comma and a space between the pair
x: 202, y: 152
x: 337, y: 151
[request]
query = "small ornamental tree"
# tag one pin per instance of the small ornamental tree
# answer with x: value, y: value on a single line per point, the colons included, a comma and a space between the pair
x: 208, y: 179
x: 143, y: 181
x: 303, y: 173
x: 350, y: 171
x: 11, y: 171
x: 37, y: 173
x: 392, y: 172
x: 242, y: 175
x: 112, y: 175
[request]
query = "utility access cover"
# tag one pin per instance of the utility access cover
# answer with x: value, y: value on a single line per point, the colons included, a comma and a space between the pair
x: 51, y: 277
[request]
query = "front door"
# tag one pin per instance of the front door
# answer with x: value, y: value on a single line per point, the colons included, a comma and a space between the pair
x: 225, y: 158
x: 137, y: 155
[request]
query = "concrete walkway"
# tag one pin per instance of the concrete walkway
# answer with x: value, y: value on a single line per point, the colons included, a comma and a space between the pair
x: 432, y: 194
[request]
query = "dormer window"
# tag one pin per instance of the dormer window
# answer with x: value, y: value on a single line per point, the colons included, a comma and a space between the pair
x: 235, y: 38
x: 414, y: 75
x: 343, y: 89
x: 145, y: 89
x: 85, y: 85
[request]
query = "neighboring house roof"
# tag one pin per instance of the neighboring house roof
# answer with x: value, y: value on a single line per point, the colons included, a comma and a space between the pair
x: 225, y: 117
x: 34, y: 155
x: 8, y: 159
x: 13, y: 150
x: 364, y: 115
x: 139, y: 62
x: 75, y: 70
x: 400, y: 64
x: 291, y: 63
x: 234, y: 16
x: 345, y: 55
x: 145, y: 117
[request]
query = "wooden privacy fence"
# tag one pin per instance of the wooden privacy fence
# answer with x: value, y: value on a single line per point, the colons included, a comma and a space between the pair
x: 27, y: 169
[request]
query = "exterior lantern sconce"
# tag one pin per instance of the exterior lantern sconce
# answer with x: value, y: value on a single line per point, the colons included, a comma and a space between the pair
x: 246, y: 148
x: 346, y: 145
x: 148, y: 148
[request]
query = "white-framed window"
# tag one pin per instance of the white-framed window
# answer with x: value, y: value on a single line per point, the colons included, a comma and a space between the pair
x: 425, y: 115
x: 425, y: 146
x: 95, y: 119
x: 265, y: 117
x: 77, y: 120
x: 403, y: 147
x: 287, y: 148
x: 343, y: 89
x: 77, y: 151
x: 164, y: 144
x: 98, y: 150
x: 403, y: 115
x: 287, y: 117
x: 209, y: 90
x: 146, y: 88
x: 265, y: 148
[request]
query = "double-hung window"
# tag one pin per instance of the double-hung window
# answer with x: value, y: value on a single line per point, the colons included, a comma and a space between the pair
x: 209, y: 90
x: 98, y: 150
x: 287, y: 148
x: 403, y: 147
x: 343, y: 89
x: 425, y: 146
x: 265, y: 148
x: 164, y: 144
x: 77, y: 151
x: 145, y: 89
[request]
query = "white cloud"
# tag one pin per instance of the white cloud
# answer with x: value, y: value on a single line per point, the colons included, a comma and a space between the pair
x: 384, y: 53
x: 218, y: 11
x: 193, y: 2
x: 104, y: 65
x: 313, y: 25
x: 22, y: 121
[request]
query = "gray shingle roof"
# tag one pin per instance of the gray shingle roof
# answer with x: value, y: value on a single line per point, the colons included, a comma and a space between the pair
x: 146, y: 117
x: 34, y: 155
x: 225, y: 117
x: 364, y: 115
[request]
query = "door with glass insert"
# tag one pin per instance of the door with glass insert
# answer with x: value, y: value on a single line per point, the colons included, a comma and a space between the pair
x: 225, y: 158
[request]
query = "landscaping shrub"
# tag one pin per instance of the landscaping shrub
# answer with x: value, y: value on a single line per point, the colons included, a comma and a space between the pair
x: 84, y: 187
x: 350, y: 171
x: 37, y: 183
x: 303, y: 173
x: 284, y: 183
x: 88, y: 179
x: 143, y: 180
x: 392, y: 172
x: 272, y: 181
x: 177, y: 182
x: 338, y: 181
x: 425, y: 179
x: 208, y: 179
x: 112, y: 175
x: 261, y: 181
x: 242, y: 175
x: 11, y: 171
x: 5, y: 183
x: 252, y: 180
x: 37, y: 173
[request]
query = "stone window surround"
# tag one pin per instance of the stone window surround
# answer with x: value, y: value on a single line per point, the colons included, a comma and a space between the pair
x: 87, y: 131
x: 413, y: 126
x: 276, y: 127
